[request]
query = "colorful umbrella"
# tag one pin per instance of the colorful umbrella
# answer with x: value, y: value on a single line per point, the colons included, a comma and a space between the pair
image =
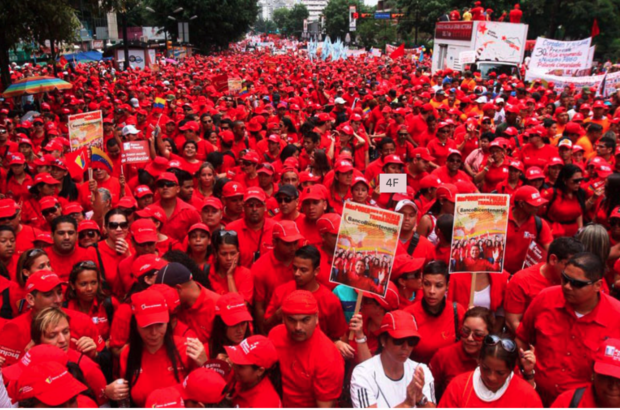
x: 35, y: 85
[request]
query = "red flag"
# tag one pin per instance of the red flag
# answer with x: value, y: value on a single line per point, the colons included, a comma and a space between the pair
x: 399, y: 52
x: 77, y: 162
x: 595, y: 29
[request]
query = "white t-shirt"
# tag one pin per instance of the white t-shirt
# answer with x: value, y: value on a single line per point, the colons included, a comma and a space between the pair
x: 370, y: 385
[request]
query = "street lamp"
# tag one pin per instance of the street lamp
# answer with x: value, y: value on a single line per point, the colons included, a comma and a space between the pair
x: 193, y: 18
x: 172, y: 18
x: 180, y: 9
x: 149, y: 9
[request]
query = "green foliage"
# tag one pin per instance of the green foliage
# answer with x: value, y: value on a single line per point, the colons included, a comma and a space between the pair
x: 291, y: 22
x: 337, y: 17
x: 423, y: 14
x: 264, y: 26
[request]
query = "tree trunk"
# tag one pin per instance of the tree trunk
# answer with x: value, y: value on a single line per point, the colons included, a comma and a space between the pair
x: 53, y: 57
x: 553, y: 13
x: 125, y: 42
x: 4, y: 60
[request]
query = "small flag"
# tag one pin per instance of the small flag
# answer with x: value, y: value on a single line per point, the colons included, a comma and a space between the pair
x: 77, y: 162
x: 159, y: 103
x: 399, y: 52
x: 63, y: 62
x: 421, y: 56
x: 595, y: 30
x: 366, y: 110
x: 244, y: 90
x: 600, y: 91
x: 99, y: 157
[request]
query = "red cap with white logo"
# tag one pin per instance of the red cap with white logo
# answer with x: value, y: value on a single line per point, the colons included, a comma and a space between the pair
x: 255, y: 350
x: 149, y: 307
x: 43, y: 281
x: 232, y: 309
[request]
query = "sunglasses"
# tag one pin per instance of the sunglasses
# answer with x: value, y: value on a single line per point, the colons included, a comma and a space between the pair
x: 90, y: 233
x: 166, y: 184
x: 145, y: 244
x: 115, y: 225
x: 225, y: 128
x: 85, y: 264
x: 411, y: 341
x: 507, y: 344
x: 224, y: 233
x: 413, y: 276
x: 247, y: 163
x: 455, y: 160
x: 49, y: 211
x: 477, y: 336
x: 577, y: 180
x: 284, y: 199
x: 7, y: 219
x: 402, y: 135
x: 576, y: 283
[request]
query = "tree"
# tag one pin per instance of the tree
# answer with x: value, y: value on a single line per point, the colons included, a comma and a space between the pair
x: 336, y: 15
x: 296, y: 17
x: 422, y: 15
x: 280, y: 18
x: 264, y: 26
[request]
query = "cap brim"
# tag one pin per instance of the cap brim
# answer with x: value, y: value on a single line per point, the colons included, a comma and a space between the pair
x: 607, y: 369
x: 152, y: 319
x: 12, y: 372
x: 246, y: 199
x: 292, y: 238
x: 56, y: 397
x: 237, y: 356
x: 537, y: 202
x: 401, y: 334
x: 233, y: 319
x: 145, y: 238
x: 47, y: 287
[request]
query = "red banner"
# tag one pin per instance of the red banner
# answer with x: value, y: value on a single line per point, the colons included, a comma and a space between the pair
x: 220, y: 82
x: 135, y: 152
x: 454, y: 30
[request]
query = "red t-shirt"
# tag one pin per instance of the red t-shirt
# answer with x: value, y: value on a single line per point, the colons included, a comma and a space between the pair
x: 243, y: 282
x: 566, y: 345
x: 460, y: 394
x: 98, y: 315
x: 25, y: 238
x: 119, y: 332
x: 446, y: 178
x: 251, y: 241
x: 435, y: 332
x: 269, y: 273
x: 262, y: 395
x: 523, y: 287
x: 181, y: 219
x: 312, y: 370
x: 111, y: 260
x: 448, y: 362
x: 331, y: 316
x: 63, y: 264
x: 440, y: 150
x: 587, y: 400
x: 494, y: 176
x: 199, y: 317
x: 93, y: 376
x: 518, y: 239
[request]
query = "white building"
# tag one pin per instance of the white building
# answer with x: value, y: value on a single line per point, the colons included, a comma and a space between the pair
x: 315, y: 8
x: 269, y: 6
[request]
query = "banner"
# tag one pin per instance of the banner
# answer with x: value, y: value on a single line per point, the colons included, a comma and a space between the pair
x: 479, y: 233
x: 135, y: 152
x: 611, y: 82
x: 467, y: 57
x: 535, y: 254
x: 220, y: 82
x: 551, y: 54
x: 496, y: 41
x: 86, y: 130
x: 234, y: 85
x: 366, y: 248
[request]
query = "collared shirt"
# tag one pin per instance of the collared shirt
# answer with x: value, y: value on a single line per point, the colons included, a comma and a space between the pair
x: 518, y: 239
x: 251, y: 241
x: 566, y: 345
x: 448, y: 362
x: 269, y: 273
x: 182, y: 218
x: 199, y: 317
x: 587, y: 400
x: 524, y: 286
x: 262, y: 395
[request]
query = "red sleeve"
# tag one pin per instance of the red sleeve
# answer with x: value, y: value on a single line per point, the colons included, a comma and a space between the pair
x: 450, y: 398
x: 274, y: 303
x: 245, y: 284
x: 526, y: 330
x: 94, y: 379
x: 337, y: 323
x: 329, y: 375
x: 514, y: 301
x: 119, y: 333
x: 546, y: 237
x: 563, y: 400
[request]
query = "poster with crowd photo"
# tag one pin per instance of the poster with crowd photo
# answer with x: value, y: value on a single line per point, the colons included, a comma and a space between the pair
x: 366, y: 247
x: 479, y: 233
x: 86, y: 130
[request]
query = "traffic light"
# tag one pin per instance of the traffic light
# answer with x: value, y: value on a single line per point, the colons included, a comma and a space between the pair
x: 169, y: 45
x: 356, y: 15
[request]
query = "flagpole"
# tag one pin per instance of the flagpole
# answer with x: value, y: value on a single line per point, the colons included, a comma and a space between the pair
x: 90, y: 168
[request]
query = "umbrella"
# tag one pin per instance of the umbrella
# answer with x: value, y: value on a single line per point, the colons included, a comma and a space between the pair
x: 35, y: 85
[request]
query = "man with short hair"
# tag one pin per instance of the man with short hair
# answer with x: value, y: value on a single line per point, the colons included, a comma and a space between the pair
x: 65, y: 253
x: 190, y: 133
x: 566, y: 325
x: 313, y: 206
x: 254, y: 230
x: 180, y: 214
x: 526, y: 284
x: 417, y: 167
x: 410, y: 241
x: 232, y: 199
x: 274, y: 268
x: 328, y: 226
x: 288, y: 202
x: 312, y: 367
x: 144, y: 240
x: 186, y: 188
x: 451, y: 173
x: 306, y: 268
x: 44, y: 289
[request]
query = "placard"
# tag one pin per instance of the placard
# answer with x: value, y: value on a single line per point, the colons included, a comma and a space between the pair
x: 479, y: 233
x: 234, y: 85
x: 467, y: 57
x: 135, y: 152
x: 551, y: 54
x: 534, y: 255
x: 86, y: 130
x: 220, y: 82
x: 366, y: 247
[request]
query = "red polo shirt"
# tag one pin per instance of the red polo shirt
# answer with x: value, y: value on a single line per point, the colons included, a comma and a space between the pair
x: 269, y: 273
x: 312, y: 370
x: 566, y: 345
x: 440, y: 150
x: 63, y: 264
x: 448, y: 362
x: 435, y: 331
x: 331, y: 316
x: 15, y: 334
x: 446, y: 178
x: 587, y: 400
x: 262, y: 395
x: 93, y: 376
x: 460, y: 288
x: 111, y: 261
x: 325, y: 269
x: 25, y: 238
x: 494, y: 176
x: 251, y: 241
x: 19, y: 192
x: 119, y: 332
x: 523, y: 287
x: 243, y: 282
x: 309, y: 230
x: 518, y: 239
x: 98, y: 315
x: 199, y: 317
x: 182, y: 218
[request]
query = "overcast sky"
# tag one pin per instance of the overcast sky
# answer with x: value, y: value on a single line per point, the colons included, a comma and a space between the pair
x: 370, y: 2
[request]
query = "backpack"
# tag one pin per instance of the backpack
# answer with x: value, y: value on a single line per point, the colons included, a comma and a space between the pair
x: 574, y: 402
x: 413, y: 244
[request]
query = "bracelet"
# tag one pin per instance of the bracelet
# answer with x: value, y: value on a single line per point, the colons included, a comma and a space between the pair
x: 529, y: 376
x: 486, y: 169
x: 361, y: 340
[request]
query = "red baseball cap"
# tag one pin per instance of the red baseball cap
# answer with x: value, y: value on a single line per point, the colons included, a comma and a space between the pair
x: 87, y: 225
x: 170, y: 294
x: 199, y: 227
x: 205, y: 386
x: 127, y: 202
x: 232, y: 188
x: 255, y: 193
x: 146, y: 263
x: 168, y: 176
x: 144, y: 231
x: 256, y: 350
x: 166, y: 398
x: 72, y: 208
x: 399, y: 325
x: 43, y: 281
x: 232, y: 309
x: 149, y: 307
x: 405, y: 263
x: 329, y: 223
x: 422, y: 153
x: 157, y: 166
x: 390, y: 301
x: 45, y: 178
x: 49, y: 382
x: 190, y: 125
x: 607, y: 360
x: 534, y: 173
x: 430, y: 181
x: 142, y: 191
x: 343, y: 166
x: 36, y: 354
x: 530, y: 195
x: 17, y: 158
x: 213, y: 202
x: 515, y: 163
x: 48, y: 202
x: 574, y: 128
x: 287, y: 231
x: 227, y: 136
x: 447, y: 191
x: 300, y: 302
x: 393, y: 159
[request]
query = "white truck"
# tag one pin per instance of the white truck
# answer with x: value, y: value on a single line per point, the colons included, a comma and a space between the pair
x: 489, y: 45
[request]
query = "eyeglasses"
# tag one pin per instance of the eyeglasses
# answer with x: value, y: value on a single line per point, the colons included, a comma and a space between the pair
x: 576, y: 180
x: 224, y: 233
x: 7, y: 219
x: 247, y: 163
x: 486, y: 122
x: 477, y: 336
x: 441, y: 131
x: 115, y: 225
x: 49, y: 211
x: 90, y: 233
x: 187, y: 109
x: 576, y: 283
x: 166, y: 184
x: 507, y: 344
x: 411, y: 341
x: 284, y: 199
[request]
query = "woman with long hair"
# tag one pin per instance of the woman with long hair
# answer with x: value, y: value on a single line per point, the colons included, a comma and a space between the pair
x: 199, y: 244
x: 319, y: 164
x: 205, y: 181
x: 608, y: 201
x: 493, y: 383
x: 44, y: 185
x: 231, y: 325
x: 67, y: 189
x: 18, y: 179
x: 28, y: 263
x: 444, y: 204
x: 226, y: 275
x: 154, y: 358
x: 567, y: 202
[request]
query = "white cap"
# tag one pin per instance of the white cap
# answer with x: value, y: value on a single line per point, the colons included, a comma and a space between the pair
x: 166, y: 82
x: 134, y: 103
x: 405, y: 202
x: 340, y: 100
x: 482, y: 100
x: 130, y: 129
x: 499, y: 100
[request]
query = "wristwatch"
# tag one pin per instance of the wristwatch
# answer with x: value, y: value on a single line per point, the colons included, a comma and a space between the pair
x: 529, y: 376
x: 422, y: 402
x: 361, y: 340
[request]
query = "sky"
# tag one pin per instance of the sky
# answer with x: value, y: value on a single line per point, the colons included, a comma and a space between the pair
x: 370, y: 2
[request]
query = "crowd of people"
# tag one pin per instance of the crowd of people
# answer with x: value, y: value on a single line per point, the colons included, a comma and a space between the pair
x: 202, y: 278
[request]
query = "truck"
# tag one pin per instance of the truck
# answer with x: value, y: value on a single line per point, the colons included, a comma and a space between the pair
x: 489, y: 46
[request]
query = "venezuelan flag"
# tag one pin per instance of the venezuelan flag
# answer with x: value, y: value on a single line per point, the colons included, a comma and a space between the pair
x: 159, y: 103
x: 243, y: 91
x: 80, y: 160
x: 100, y: 157
x: 366, y: 110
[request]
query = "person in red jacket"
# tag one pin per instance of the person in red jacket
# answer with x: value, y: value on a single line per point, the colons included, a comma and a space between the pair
x: 516, y: 14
